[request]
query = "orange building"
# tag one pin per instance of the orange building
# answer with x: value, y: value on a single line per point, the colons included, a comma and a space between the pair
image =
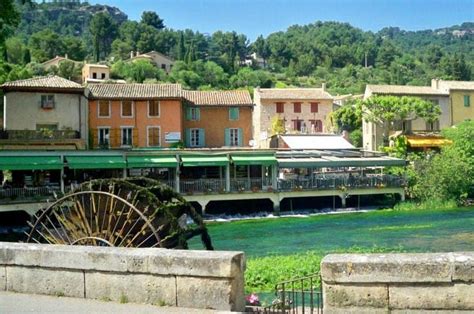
x: 135, y: 115
x: 217, y: 118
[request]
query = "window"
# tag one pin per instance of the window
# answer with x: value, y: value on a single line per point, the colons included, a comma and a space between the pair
x: 47, y: 101
x: 193, y: 114
x: 153, y: 108
x: 196, y: 138
x: 280, y: 108
x: 467, y: 100
x: 94, y: 75
x: 127, y: 108
x: 432, y: 126
x: 127, y: 134
x: 104, y: 108
x: 314, y: 107
x: 297, y: 124
x: 234, y: 113
x: 316, y: 126
x: 104, y: 137
x: 154, y: 136
x: 102, y: 76
x: 233, y: 137
x: 406, y: 126
x: 297, y: 107
x: 163, y: 66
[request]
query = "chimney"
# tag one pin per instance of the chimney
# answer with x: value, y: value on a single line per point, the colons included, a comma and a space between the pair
x: 435, y: 83
x: 131, y: 54
x: 323, y: 86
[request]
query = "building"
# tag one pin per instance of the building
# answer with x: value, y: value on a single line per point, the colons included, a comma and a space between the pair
x: 298, y: 110
x: 373, y: 136
x: 95, y: 73
x: 44, y: 111
x: 135, y: 115
x: 56, y: 61
x: 461, y: 98
x: 160, y: 60
x: 218, y: 118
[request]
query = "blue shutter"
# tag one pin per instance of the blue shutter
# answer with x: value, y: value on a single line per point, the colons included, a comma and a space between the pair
x: 234, y: 113
x: 188, y: 113
x: 240, y: 137
x: 188, y: 138
x: 467, y: 100
x: 202, y: 138
x: 227, y: 137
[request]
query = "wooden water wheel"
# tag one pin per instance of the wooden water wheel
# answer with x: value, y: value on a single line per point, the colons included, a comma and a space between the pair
x: 135, y: 212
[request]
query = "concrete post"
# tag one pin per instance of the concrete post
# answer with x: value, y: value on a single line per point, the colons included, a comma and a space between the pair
x: 402, y: 196
x: 343, y: 200
x: 276, y: 208
x: 275, y: 177
x: 227, y: 178
x: 176, y: 180
x: 62, y: 179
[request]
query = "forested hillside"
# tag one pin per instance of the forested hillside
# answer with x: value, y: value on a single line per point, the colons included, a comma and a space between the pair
x: 344, y: 57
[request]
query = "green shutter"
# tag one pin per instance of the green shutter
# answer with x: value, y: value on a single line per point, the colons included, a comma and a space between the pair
x: 198, y: 114
x: 227, y: 137
x: 202, y: 138
x: 188, y: 138
x: 188, y: 113
x: 240, y: 137
x: 467, y: 100
x: 234, y: 113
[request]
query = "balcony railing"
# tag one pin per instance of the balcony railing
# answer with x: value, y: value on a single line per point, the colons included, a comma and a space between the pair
x: 44, y: 135
x: 28, y: 193
x: 188, y: 186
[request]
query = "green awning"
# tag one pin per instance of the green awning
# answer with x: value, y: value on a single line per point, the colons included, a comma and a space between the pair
x: 95, y: 162
x: 152, y: 162
x: 265, y: 160
x: 204, y: 161
x: 30, y: 163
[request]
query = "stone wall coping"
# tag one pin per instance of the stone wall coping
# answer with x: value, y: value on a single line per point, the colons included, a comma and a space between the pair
x: 398, y: 268
x: 129, y: 260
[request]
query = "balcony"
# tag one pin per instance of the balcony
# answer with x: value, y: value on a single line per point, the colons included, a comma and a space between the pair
x: 31, y: 139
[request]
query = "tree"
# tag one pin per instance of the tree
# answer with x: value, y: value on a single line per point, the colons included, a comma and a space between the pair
x: 278, y: 125
x: 348, y: 117
x: 9, y: 18
x: 262, y: 49
x: 45, y: 45
x: 137, y: 71
x: 152, y: 19
x: 103, y: 30
x: 181, y: 47
x: 386, y: 110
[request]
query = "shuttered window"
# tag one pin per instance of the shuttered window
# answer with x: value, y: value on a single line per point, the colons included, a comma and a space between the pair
x: 195, y: 138
x: 127, y: 137
x: 314, y: 107
x: 153, y: 108
x: 104, y: 108
x: 154, y: 136
x: 193, y: 114
x: 467, y: 100
x: 297, y: 107
x: 234, y: 113
x: 127, y: 108
x: 280, y: 107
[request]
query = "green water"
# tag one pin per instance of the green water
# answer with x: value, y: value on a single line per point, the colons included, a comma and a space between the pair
x: 413, y: 231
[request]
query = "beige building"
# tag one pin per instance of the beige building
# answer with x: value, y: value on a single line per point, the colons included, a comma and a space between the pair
x: 56, y: 61
x: 51, y: 105
x: 95, y: 73
x: 373, y: 136
x: 160, y: 60
x: 461, y: 98
x: 299, y: 110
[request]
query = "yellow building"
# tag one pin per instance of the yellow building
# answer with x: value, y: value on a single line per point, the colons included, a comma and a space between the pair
x: 461, y: 98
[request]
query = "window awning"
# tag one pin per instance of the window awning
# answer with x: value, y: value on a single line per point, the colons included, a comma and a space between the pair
x: 95, y: 162
x: 265, y: 160
x: 152, y: 162
x: 204, y: 161
x: 427, y: 142
x: 30, y: 163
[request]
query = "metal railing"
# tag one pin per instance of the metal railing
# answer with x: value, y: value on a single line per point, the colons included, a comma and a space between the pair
x: 29, y: 192
x: 26, y: 135
x: 329, y: 182
x: 202, y: 186
x: 300, y: 295
x: 250, y: 184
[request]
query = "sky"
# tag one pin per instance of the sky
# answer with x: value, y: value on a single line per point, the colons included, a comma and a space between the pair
x: 255, y: 17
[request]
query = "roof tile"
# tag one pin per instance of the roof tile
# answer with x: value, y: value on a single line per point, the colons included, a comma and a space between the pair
x: 293, y: 93
x: 219, y: 98
x: 405, y: 90
x: 135, y: 91
x: 44, y: 82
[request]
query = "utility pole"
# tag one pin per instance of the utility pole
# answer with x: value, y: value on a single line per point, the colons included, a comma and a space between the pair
x: 366, y: 59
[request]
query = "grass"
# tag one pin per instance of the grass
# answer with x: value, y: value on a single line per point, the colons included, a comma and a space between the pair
x: 123, y: 299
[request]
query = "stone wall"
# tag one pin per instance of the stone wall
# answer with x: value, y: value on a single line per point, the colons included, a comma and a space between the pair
x: 398, y: 282
x: 193, y: 279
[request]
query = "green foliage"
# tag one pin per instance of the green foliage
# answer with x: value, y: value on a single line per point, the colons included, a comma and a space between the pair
x: 137, y: 71
x: 278, y: 125
x: 426, y: 205
x: 152, y: 19
x: 103, y: 30
x: 356, y: 138
x: 348, y: 117
x: 450, y: 174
